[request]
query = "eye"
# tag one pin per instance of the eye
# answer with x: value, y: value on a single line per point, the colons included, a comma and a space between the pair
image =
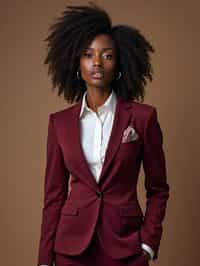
x: 87, y: 54
x: 108, y: 56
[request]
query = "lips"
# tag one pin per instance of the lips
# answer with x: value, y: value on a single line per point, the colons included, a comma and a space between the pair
x: 97, y: 74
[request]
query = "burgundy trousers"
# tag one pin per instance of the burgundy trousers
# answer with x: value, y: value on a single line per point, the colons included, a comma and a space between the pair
x: 95, y: 255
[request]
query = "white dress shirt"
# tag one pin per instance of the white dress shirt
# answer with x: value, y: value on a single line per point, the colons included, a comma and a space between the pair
x: 95, y: 132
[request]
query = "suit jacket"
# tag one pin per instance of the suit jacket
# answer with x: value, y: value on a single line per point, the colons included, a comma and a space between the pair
x: 111, y: 206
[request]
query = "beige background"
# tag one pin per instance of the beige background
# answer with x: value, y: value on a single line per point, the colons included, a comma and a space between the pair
x: 26, y: 101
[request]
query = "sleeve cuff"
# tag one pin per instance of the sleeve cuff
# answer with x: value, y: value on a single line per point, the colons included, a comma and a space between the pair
x: 148, y: 249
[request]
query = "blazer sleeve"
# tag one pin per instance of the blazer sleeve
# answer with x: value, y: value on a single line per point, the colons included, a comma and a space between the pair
x: 55, y: 193
x: 157, y: 188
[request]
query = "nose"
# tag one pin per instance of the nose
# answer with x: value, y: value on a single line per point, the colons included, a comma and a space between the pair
x: 97, y: 60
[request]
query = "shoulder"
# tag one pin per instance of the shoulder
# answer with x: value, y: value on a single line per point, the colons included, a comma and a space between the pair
x: 144, y: 116
x: 144, y: 111
x: 63, y: 113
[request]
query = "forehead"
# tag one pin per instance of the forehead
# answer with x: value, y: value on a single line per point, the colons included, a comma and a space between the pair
x: 101, y: 42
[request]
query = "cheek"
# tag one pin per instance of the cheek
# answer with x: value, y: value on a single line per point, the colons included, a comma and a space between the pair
x: 110, y: 71
x: 110, y: 66
x: 85, y: 67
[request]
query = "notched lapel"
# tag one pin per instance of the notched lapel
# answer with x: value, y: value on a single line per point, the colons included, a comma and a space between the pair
x: 121, y: 120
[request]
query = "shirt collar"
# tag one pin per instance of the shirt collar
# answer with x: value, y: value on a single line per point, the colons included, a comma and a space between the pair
x: 108, y: 105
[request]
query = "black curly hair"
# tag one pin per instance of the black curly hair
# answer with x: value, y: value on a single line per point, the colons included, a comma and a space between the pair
x: 74, y: 30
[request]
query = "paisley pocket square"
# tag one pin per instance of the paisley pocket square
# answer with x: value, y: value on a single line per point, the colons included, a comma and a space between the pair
x: 129, y: 134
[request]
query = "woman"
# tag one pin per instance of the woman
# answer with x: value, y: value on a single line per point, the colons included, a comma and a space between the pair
x: 91, y: 214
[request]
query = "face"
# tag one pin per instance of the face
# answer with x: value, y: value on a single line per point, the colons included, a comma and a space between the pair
x: 98, y: 61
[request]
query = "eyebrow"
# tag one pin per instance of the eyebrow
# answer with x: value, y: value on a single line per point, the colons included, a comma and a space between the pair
x: 107, y: 48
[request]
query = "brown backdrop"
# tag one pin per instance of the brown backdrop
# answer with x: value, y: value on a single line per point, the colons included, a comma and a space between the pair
x: 26, y: 101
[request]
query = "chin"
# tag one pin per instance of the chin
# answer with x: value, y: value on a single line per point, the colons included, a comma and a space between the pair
x: 98, y: 84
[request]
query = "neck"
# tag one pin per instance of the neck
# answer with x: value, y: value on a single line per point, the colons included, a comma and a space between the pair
x: 96, y: 98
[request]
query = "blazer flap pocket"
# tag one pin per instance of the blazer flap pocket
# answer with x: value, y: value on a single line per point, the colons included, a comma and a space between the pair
x: 70, y: 210
x: 131, y: 210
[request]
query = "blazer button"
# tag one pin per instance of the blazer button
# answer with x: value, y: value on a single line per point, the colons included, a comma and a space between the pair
x: 99, y: 193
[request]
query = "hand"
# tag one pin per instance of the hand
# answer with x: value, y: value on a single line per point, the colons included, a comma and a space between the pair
x: 146, y: 254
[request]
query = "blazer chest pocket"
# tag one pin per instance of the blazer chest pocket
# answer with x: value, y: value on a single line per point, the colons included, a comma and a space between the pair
x: 131, y: 218
x: 129, y: 149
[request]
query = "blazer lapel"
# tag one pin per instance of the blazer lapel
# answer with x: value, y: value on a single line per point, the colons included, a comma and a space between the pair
x: 121, y: 120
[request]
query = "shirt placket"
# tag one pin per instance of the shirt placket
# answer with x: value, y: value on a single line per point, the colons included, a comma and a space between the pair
x: 99, y: 142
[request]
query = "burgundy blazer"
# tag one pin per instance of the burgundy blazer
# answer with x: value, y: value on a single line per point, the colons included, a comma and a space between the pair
x: 111, y: 206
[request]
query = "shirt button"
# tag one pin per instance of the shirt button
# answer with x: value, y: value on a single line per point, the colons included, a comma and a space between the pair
x: 99, y: 193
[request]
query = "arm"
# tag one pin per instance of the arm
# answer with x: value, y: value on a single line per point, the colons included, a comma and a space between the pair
x: 157, y: 189
x: 55, y: 193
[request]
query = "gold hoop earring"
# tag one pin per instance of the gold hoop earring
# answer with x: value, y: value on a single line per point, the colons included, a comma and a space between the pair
x: 78, y: 75
x: 119, y: 76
